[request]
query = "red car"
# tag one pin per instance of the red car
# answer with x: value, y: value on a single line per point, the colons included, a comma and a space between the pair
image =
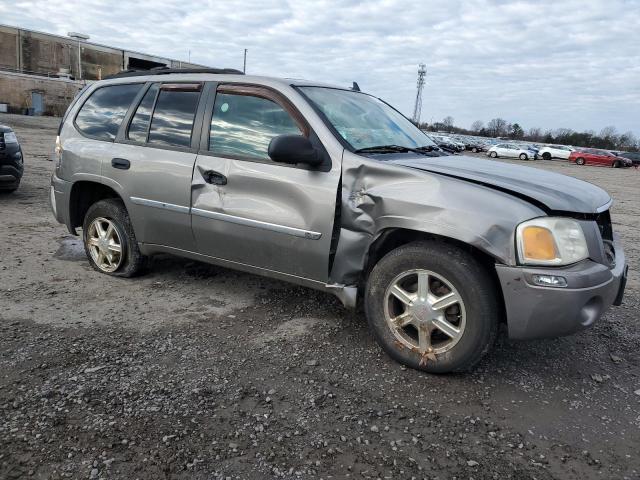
x: 589, y: 156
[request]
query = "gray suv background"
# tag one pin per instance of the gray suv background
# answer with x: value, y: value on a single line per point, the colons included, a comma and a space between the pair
x: 335, y: 190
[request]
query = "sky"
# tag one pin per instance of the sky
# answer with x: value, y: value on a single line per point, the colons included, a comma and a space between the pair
x: 547, y: 64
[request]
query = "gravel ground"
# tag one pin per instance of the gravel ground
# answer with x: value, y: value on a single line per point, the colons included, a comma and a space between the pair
x: 194, y: 371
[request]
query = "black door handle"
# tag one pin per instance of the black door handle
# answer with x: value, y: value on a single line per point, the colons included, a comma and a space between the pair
x: 214, y: 178
x: 121, y: 163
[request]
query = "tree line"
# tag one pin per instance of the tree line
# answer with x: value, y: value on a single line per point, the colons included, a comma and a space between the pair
x: 608, y: 138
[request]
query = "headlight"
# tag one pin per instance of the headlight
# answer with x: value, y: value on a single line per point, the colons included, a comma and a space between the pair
x: 10, y: 137
x: 551, y: 241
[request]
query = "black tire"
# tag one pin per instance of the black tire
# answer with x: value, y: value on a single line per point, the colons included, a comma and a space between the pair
x: 493, y: 154
x: 616, y: 164
x: 469, y: 277
x: 133, y: 262
x: 474, y: 150
x: 524, y: 156
x: 580, y: 161
x: 546, y: 156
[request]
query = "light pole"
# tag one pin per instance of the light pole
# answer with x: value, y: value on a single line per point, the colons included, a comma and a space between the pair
x: 244, y: 65
x: 80, y: 37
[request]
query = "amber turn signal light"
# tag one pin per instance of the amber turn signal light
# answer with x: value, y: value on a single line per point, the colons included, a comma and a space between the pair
x: 539, y: 244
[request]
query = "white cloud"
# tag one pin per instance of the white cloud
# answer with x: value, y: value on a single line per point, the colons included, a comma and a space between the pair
x: 541, y: 63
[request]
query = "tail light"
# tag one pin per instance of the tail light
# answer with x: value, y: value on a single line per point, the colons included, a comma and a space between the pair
x: 58, y: 151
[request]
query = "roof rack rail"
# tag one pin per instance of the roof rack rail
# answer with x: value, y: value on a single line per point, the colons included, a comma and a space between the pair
x: 167, y: 71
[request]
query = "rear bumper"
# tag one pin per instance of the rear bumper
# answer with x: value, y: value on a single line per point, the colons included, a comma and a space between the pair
x: 59, y: 194
x: 542, y: 312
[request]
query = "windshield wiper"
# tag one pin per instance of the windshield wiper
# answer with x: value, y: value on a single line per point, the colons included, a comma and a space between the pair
x: 394, y: 149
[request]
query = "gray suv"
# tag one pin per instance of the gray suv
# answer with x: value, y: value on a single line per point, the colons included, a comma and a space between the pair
x: 334, y: 189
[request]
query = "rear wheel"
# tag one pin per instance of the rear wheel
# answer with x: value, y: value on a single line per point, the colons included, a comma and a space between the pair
x: 474, y: 150
x: 524, y: 156
x: 493, y: 154
x: 546, y: 156
x: 616, y: 164
x: 432, y: 306
x: 109, y: 240
x: 580, y: 161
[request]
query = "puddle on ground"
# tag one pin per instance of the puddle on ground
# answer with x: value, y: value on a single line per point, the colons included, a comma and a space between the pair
x: 71, y: 248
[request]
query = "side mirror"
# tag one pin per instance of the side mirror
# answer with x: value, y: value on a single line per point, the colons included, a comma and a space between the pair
x: 293, y: 149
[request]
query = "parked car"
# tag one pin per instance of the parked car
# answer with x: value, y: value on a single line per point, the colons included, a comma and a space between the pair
x: 334, y: 189
x: 633, y: 156
x: 534, y: 148
x: 590, y: 156
x: 555, y: 151
x: 445, y: 144
x: 11, y: 160
x: 510, y: 150
x: 476, y: 147
x: 472, y: 144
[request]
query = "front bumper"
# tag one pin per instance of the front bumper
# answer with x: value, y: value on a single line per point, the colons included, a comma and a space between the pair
x: 11, y: 167
x: 543, y: 312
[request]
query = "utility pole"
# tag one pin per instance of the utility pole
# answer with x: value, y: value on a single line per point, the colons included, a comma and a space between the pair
x: 80, y: 37
x: 244, y: 66
x: 417, y: 109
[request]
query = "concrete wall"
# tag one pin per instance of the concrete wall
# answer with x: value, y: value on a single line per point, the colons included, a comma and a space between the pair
x: 16, y: 88
x: 8, y: 48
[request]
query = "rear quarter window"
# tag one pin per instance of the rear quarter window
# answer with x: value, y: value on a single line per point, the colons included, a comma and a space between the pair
x: 102, y: 113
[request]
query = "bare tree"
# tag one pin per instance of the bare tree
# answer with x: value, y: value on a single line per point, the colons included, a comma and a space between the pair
x: 627, y: 141
x: 497, y: 127
x: 535, y: 134
x: 448, y: 123
x: 477, y: 126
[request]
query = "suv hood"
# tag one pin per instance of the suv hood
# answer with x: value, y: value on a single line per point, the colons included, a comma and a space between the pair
x: 554, y: 191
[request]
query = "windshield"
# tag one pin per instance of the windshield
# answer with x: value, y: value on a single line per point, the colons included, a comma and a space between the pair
x: 364, y: 121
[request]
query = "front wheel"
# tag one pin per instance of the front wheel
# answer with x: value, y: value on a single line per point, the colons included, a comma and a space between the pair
x: 432, y: 306
x: 474, y: 150
x: 580, y: 161
x: 493, y: 154
x: 524, y: 156
x: 109, y: 240
x: 546, y: 156
x: 616, y: 164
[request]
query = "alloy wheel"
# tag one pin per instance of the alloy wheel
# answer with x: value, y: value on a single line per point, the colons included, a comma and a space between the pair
x: 104, y: 244
x: 424, y: 312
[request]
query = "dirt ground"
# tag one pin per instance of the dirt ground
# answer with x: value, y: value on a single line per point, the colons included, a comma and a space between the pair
x: 194, y: 371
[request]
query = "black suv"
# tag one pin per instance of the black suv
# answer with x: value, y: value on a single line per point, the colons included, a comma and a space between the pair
x: 11, y: 161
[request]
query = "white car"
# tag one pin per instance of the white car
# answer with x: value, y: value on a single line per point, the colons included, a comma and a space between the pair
x: 511, y: 150
x: 555, y: 151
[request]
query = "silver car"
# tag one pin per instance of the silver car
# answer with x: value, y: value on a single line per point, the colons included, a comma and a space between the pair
x: 336, y: 190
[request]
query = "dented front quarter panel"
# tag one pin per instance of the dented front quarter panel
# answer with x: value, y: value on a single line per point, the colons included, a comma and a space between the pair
x: 378, y: 196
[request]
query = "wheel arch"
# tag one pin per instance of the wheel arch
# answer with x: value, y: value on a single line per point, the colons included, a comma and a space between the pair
x: 83, y: 194
x: 392, y: 238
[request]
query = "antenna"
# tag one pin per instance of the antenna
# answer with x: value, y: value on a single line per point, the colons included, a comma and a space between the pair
x: 417, y: 109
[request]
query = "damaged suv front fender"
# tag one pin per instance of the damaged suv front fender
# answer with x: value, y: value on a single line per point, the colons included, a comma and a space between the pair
x: 377, y: 196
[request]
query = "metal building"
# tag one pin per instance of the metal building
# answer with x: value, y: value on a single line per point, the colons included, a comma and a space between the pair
x: 40, y: 73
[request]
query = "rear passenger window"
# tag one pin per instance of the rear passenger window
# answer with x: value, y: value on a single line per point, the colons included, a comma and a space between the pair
x: 173, y: 116
x: 139, y: 126
x: 102, y: 113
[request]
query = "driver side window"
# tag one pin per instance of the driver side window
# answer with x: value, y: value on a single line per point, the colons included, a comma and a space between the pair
x: 243, y: 125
